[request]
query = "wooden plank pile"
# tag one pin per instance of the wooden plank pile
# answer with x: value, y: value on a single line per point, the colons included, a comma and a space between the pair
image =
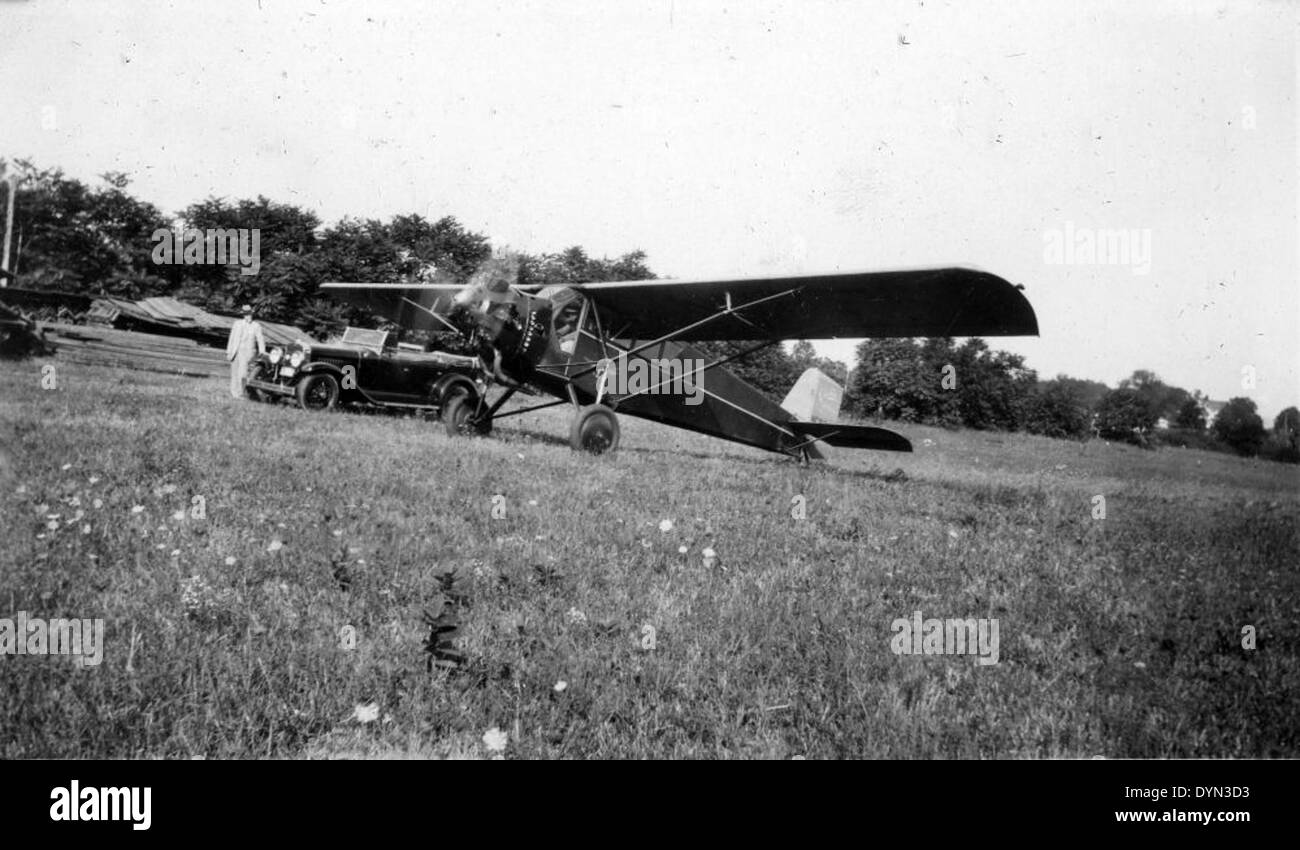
x: 103, y: 346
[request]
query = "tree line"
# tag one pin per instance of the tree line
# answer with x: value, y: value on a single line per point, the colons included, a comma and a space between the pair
x: 937, y: 381
x: 98, y: 240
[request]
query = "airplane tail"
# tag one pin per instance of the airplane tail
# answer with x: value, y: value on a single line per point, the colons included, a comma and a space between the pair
x: 815, y: 397
x: 814, y: 402
x: 853, y: 436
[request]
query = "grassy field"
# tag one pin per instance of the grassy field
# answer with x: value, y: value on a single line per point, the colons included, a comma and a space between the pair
x: 569, y: 619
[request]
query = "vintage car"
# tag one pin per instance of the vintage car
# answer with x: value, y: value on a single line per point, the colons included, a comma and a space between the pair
x: 369, y: 367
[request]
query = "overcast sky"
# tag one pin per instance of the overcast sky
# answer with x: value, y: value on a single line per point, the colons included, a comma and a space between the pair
x: 740, y: 138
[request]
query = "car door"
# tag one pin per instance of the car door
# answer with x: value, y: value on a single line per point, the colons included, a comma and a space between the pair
x: 369, y: 375
x: 400, y: 377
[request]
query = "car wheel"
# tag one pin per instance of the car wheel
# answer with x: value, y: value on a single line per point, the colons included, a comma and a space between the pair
x: 318, y: 392
x: 595, y: 430
x: 458, y: 416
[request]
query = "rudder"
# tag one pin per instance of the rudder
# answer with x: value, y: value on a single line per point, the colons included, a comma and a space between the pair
x: 815, y: 397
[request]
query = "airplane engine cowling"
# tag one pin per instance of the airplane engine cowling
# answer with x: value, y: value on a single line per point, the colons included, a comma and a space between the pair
x: 516, y: 335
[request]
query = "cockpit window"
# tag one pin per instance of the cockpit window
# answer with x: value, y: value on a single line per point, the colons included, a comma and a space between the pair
x: 566, y: 319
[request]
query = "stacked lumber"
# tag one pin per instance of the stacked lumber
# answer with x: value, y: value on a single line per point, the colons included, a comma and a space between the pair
x: 102, y: 346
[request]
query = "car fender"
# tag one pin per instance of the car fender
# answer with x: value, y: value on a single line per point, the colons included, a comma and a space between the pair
x: 452, y: 381
x: 313, y: 368
x: 259, y: 363
x: 345, y: 392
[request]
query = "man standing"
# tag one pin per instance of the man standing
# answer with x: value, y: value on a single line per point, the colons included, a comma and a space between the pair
x: 245, y: 341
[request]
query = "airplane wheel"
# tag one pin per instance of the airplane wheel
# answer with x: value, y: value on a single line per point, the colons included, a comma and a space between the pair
x: 594, y: 430
x: 318, y: 392
x: 458, y: 417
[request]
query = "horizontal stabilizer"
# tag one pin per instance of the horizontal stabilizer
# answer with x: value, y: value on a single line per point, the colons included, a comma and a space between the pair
x: 852, y: 436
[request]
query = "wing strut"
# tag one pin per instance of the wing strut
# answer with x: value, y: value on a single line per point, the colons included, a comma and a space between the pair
x: 432, y: 313
x: 729, y: 310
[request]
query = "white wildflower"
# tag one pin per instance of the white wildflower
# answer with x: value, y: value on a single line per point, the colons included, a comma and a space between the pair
x: 366, y: 713
x: 495, y: 740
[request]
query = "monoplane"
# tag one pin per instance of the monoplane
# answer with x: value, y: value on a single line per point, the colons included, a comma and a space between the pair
x: 625, y: 347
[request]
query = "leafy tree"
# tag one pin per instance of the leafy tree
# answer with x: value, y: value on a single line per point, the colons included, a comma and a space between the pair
x: 1284, y: 443
x: 282, y: 227
x: 769, y: 369
x: 1088, y: 393
x: 994, y: 387
x: 405, y: 248
x: 1124, y: 414
x: 891, y: 381
x: 572, y: 265
x: 936, y: 382
x: 444, y: 245
x: 362, y: 250
x: 1286, y: 425
x: 835, y: 370
x: 1163, y: 400
x: 804, y: 357
x: 942, y: 383
x: 284, y: 287
x: 1239, y: 426
x: 803, y: 354
x: 1058, y: 409
x: 71, y: 237
x: 1191, y: 415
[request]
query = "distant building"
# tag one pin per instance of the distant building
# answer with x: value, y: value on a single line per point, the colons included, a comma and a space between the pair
x: 1209, y: 408
x: 1212, y: 410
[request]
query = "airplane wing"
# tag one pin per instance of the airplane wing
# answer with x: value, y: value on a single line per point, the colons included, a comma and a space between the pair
x: 909, y: 303
x: 418, y: 306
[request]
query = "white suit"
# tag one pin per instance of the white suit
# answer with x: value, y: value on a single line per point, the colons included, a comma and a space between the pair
x: 245, y: 341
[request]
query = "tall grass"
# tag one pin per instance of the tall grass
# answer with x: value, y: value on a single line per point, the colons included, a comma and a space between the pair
x: 1119, y: 636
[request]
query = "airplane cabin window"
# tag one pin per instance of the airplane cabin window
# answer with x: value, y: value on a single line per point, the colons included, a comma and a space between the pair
x: 566, y: 319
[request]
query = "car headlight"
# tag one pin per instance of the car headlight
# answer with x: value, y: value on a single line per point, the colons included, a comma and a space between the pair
x: 275, y: 354
x: 295, y: 359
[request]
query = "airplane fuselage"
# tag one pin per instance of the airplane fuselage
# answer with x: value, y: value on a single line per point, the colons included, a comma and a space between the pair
x: 556, y: 342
